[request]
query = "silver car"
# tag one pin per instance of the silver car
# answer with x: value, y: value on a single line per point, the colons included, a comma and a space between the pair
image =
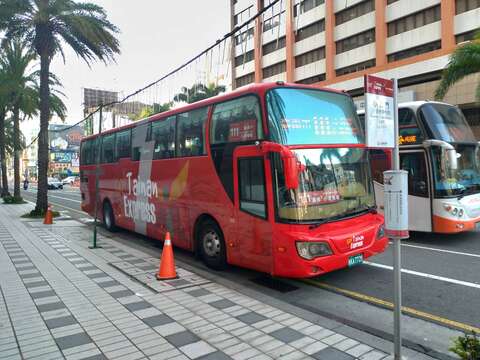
x: 54, y: 183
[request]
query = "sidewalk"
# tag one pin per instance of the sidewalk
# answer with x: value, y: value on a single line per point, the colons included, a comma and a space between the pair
x: 60, y: 299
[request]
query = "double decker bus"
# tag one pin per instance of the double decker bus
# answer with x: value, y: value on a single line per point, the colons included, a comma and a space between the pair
x: 442, y: 157
x: 273, y: 177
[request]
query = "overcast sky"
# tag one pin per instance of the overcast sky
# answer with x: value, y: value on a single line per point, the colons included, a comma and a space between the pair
x: 156, y: 36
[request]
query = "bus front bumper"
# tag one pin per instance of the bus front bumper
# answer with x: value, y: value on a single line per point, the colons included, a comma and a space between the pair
x: 451, y: 226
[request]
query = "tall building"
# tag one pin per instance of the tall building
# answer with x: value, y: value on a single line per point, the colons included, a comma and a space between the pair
x: 333, y: 43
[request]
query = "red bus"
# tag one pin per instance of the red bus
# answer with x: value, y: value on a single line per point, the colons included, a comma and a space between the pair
x: 273, y: 177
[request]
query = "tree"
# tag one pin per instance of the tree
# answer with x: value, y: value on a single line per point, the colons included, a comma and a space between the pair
x: 151, y: 110
x: 465, y: 60
x: 18, y: 86
x: 3, y: 113
x: 198, y: 92
x: 48, y: 26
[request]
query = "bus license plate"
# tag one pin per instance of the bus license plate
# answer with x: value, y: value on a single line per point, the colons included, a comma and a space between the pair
x: 355, y: 260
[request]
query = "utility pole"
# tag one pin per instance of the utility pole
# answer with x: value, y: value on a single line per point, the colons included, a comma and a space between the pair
x: 97, y: 170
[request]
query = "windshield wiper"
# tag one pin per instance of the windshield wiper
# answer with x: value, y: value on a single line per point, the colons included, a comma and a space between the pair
x: 368, y: 209
x: 467, y: 191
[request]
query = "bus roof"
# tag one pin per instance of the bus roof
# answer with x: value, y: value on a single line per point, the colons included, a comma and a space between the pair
x: 247, y: 89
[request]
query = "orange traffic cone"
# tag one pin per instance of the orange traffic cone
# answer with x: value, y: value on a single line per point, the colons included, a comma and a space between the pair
x: 167, y: 263
x: 48, y: 216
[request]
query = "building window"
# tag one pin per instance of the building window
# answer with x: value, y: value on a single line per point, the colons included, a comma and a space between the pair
x: 273, y: 22
x: 462, y: 6
x: 354, y: 12
x: 245, y: 80
x: 310, y: 57
x: 466, y: 36
x: 414, y: 21
x: 312, y: 80
x: 274, y: 45
x: 244, y: 36
x: 417, y: 50
x: 306, y: 5
x: 355, y: 41
x: 244, y: 58
x: 356, y: 67
x: 243, y: 16
x: 274, y: 69
x: 310, y: 30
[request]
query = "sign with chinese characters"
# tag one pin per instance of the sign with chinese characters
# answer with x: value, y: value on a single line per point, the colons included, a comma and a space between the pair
x: 244, y: 130
x: 379, y: 112
x: 396, y: 203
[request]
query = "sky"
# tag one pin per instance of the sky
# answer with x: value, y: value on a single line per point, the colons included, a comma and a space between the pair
x: 156, y: 36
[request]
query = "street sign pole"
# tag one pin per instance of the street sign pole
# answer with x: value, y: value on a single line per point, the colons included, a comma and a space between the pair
x: 97, y: 169
x: 397, y: 252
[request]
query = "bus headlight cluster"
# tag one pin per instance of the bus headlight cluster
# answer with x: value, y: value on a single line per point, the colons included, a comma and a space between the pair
x: 455, y: 211
x: 310, y: 250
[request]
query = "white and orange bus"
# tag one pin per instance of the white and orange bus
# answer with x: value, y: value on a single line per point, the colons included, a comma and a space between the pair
x: 273, y: 177
x: 442, y: 157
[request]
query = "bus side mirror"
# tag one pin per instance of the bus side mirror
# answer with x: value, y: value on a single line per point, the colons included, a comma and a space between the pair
x: 290, y: 170
x: 452, y: 158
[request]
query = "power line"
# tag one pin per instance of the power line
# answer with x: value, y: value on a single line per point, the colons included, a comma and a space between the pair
x: 205, y: 51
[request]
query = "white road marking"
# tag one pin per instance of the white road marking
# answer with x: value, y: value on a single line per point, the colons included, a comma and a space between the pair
x: 428, y: 276
x: 442, y: 250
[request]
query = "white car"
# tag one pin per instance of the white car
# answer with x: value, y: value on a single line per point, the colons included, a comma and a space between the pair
x: 69, y: 180
x: 54, y: 183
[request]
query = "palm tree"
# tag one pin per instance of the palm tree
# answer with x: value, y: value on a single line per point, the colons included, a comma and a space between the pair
x: 3, y: 155
x: 47, y: 25
x: 198, y: 92
x: 464, y: 61
x: 19, y: 88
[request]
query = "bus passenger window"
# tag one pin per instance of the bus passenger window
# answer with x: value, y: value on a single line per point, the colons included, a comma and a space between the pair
x: 140, y: 135
x: 237, y: 120
x: 108, y: 149
x: 123, y: 144
x: 190, y: 133
x: 415, y: 164
x: 252, y: 186
x: 163, y: 133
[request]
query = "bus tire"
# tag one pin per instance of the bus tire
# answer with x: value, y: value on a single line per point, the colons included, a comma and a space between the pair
x: 109, y: 217
x: 212, y: 245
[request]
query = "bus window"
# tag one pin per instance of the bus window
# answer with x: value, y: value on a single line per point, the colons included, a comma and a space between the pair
x: 237, y: 120
x: 414, y: 163
x: 123, y: 144
x: 252, y: 186
x: 163, y: 133
x: 408, y: 128
x: 190, y: 132
x: 108, y: 149
x: 140, y: 134
x: 86, y: 153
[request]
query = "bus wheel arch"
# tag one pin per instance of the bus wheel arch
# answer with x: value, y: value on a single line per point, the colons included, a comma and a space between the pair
x: 209, y: 242
x: 108, y: 215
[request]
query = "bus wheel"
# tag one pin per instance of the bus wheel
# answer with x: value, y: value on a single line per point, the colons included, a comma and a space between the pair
x: 212, y: 246
x: 108, y: 217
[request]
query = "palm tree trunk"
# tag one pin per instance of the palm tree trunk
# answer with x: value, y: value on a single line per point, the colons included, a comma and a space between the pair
x: 16, y: 152
x: 3, y: 154
x: 42, y: 197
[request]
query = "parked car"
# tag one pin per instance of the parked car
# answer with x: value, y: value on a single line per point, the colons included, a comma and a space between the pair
x: 54, y: 183
x: 69, y: 180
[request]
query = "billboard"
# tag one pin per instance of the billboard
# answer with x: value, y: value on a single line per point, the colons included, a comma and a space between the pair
x: 64, y: 141
x: 95, y: 97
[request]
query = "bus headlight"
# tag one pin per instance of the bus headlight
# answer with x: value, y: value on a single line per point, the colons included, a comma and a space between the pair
x: 310, y: 250
x: 381, y: 232
x: 460, y: 213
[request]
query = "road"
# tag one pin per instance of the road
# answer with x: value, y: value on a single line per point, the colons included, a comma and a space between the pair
x: 441, y: 283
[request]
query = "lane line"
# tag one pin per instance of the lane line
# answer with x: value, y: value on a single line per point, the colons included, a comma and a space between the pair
x: 58, y: 197
x: 66, y: 207
x: 425, y: 275
x: 384, y: 303
x: 442, y: 250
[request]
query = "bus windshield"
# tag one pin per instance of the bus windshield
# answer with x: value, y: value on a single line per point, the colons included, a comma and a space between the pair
x: 462, y: 180
x: 309, y: 116
x: 447, y: 123
x: 333, y: 183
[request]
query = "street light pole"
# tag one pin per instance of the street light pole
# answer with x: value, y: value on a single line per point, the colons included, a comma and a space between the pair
x: 97, y: 169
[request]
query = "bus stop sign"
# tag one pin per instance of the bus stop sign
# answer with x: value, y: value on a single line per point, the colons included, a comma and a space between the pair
x: 396, y: 203
x: 379, y: 112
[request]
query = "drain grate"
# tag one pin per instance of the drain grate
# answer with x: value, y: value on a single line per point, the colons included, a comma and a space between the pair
x: 274, y: 284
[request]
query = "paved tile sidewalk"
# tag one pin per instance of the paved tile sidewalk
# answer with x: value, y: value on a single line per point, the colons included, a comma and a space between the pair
x: 60, y: 299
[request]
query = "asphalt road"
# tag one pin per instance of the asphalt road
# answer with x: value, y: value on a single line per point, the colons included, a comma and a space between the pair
x: 441, y: 283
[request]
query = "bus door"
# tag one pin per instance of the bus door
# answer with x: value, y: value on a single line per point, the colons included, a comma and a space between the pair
x: 253, y: 229
x: 419, y: 189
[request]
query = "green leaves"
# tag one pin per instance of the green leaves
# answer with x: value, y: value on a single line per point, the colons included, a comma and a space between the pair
x: 464, y: 61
